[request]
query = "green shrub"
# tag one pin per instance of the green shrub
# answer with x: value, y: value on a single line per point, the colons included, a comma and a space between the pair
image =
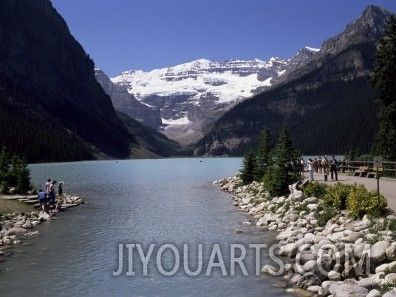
x: 373, y: 239
x: 324, y: 213
x: 315, y: 189
x: 361, y: 202
x: 302, y: 207
x: 386, y: 287
x: 392, y: 225
x: 336, y: 196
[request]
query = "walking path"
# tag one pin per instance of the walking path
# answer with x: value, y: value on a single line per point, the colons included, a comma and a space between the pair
x: 387, y: 186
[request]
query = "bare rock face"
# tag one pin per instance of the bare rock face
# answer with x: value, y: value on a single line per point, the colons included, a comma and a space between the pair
x: 370, y: 25
x: 127, y: 103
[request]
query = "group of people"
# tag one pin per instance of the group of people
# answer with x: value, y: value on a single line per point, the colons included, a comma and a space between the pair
x: 47, y: 197
x: 325, y: 165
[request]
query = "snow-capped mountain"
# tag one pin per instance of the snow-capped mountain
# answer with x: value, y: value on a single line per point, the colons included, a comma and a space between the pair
x: 193, y: 95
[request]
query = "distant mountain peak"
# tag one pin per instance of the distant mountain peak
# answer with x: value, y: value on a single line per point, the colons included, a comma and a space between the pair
x: 372, y: 10
x: 369, y: 26
x: 373, y: 18
x: 192, y: 95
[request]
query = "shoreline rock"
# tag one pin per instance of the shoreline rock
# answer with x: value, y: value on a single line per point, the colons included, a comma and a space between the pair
x: 18, y: 226
x: 345, y: 257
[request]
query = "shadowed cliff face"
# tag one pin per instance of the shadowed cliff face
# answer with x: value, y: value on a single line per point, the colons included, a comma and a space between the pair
x: 127, y: 103
x: 47, y: 65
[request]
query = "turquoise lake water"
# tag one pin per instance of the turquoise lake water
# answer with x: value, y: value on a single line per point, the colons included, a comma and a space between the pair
x: 168, y: 204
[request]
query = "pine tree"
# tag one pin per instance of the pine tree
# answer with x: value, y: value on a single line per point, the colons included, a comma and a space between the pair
x: 279, y: 176
x: 263, y: 156
x: 384, y: 80
x: 14, y: 173
x: 4, y: 169
x: 248, y: 168
x: 22, y: 174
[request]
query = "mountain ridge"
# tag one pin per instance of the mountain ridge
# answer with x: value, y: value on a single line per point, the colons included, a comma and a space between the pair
x: 329, y: 95
x: 51, y: 106
x: 50, y: 95
x: 191, y: 96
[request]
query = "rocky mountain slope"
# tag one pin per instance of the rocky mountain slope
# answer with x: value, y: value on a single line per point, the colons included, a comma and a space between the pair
x: 126, y: 103
x: 193, y: 95
x: 51, y: 106
x: 327, y: 104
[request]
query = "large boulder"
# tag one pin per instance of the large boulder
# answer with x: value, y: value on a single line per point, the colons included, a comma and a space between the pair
x: 17, y: 231
x: 289, y: 250
x: 377, y: 252
x: 347, y: 290
x: 391, y: 252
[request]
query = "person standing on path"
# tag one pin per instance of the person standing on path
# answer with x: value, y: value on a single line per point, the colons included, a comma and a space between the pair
x: 320, y: 165
x: 333, y: 168
x: 316, y: 165
x: 310, y: 168
x: 325, y: 167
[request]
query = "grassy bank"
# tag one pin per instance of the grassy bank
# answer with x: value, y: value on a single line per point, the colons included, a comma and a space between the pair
x: 12, y: 206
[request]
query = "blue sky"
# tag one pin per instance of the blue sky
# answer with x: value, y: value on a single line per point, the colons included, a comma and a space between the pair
x: 122, y: 35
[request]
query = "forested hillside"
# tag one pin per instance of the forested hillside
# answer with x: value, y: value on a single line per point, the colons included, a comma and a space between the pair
x: 328, y: 104
x: 51, y: 106
x: 334, y: 118
x: 26, y: 130
x: 46, y: 74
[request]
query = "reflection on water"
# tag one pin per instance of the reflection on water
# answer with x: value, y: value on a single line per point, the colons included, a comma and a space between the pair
x: 138, y: 202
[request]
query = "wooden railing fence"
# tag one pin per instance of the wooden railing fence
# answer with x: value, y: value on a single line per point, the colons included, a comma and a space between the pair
x: 350, y: 166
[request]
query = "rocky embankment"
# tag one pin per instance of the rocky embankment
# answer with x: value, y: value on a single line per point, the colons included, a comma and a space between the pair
x: 337, y: 257
x: 15, y: 227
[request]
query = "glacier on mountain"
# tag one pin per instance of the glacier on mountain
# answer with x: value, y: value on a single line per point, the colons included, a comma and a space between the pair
x: 228, y: 81
x: 193, y: 95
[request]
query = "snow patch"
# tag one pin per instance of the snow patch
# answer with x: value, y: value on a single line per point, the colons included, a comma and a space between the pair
x: 182, y: 121
x: 312, y: 49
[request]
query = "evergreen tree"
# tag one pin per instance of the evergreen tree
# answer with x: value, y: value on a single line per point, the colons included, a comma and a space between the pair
x: 384, y: 80
x: 279, y: 176
x: 14, y: 173
x: 248, y: 168
x: 269, y: 176
x: 263, y: 156
x: 4, y: 169
x: 22, y: 175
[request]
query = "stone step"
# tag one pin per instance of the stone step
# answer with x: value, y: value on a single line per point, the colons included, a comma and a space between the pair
x: 28, y: 201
